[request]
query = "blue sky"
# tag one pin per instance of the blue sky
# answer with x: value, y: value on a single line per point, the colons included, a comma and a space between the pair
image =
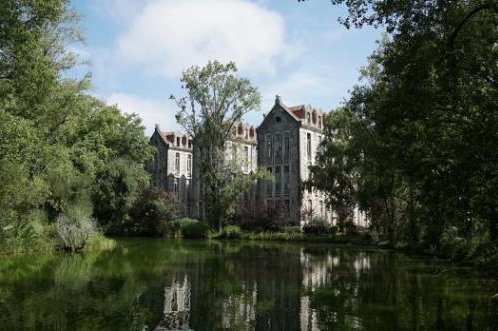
x: 137, y: 49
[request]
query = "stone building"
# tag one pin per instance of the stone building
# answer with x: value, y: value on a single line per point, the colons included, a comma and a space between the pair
x: 285, y: 144
x: 288, y: 140
x: 241, y: 149
x: 172, y: 166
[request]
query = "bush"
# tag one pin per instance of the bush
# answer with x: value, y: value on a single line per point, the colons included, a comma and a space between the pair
x: 318, y: 226
x: 151, y: 213
x: 188, y: 228
x: 291, y: 229
x: 230, y: 232
x: 74, y: 228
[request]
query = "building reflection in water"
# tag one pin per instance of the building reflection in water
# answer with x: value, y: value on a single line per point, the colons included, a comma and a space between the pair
x: 324, y: 271
x: 176, y: 314
x: 239, y: 311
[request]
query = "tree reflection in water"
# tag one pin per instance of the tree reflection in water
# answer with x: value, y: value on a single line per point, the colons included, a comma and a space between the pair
x: 167, y: 285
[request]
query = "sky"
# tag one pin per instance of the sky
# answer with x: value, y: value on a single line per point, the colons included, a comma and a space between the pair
x: 136, y: 51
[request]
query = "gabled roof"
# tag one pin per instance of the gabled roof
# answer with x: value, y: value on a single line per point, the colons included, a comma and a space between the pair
x: 299, y: 111
x: 290, y: 110
x: 162, y: 135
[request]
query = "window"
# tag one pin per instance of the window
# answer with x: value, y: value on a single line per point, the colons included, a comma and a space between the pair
x: 246, y: 158
x: 286, y: 146
x: 320, y: 122
x: 286, y: 179
x: 176, y: 187
x: 189, y: 165
x: 308, y: 145
x: 269, y: 184
x: 278, y: 148
x: 310, y: 206
x: 177, y: 163
x: 269, y: 148
x: 277, y: 119
x: 278, y: 181
x: 178, y: 141
x: 308, y: 117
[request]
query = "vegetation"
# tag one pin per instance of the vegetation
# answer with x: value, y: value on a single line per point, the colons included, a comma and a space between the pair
x: 229, y: 232
x: 215, y: 103
x: 188, y: 228
x: 415, y: 145
x: 71, y: 167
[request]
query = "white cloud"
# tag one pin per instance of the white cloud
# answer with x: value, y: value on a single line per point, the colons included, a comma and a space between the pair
x: 152, y: 112
x: 168, y: 36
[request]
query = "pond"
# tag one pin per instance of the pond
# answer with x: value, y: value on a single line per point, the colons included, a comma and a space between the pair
x: 155, y: 284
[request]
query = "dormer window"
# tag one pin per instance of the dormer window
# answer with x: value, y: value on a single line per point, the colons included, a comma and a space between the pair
x: 178, y: 141
x: 308, y: 117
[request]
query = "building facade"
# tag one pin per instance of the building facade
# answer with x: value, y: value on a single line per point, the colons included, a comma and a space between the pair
x: 172, y: 166
x: 288, y: 140
x: 285, y: 144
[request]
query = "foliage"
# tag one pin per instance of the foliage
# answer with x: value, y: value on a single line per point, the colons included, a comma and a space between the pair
x: 60, y: 149
x: 215, y: 103
x: 151, y: 212
x: 189, y: 228
x: 74, y: 227
x: 229, y: 232
x: 319, y: 225
x: 418, y: 134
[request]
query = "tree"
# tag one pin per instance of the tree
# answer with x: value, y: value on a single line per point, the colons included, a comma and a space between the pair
x: 216, y: 101
x: 57, y: 144
x: 432, y: 106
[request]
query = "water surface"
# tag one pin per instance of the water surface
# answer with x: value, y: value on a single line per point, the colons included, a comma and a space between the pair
x: 149, y: 284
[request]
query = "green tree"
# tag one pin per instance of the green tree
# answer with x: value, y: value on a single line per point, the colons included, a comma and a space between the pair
x: 216, y: 101
x: 57, y: 144
x: 432, y: 106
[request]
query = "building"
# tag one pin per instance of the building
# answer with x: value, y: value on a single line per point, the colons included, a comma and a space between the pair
x: 286, y: 144
x: 171, y: 168
x: 288, y: 140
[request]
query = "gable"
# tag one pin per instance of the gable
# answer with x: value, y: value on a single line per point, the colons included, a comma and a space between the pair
x: 278, y: 119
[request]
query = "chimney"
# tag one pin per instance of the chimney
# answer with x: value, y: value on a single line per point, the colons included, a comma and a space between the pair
x: 277, y: 99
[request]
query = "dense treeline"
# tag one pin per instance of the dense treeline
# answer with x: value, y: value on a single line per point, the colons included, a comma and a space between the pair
x: 416, y: 145
x: 71, y: 167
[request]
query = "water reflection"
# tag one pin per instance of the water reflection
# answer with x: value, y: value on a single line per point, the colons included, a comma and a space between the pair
x: 166, y: 285
x: 176, y: 305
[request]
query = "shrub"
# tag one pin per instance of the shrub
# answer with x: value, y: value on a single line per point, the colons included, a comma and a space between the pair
x: 291, y: 229
x: 318, y: 226
x: 188, y: 228
x: 230, y: 232
x: 74, y: 227
x: 151, y: 213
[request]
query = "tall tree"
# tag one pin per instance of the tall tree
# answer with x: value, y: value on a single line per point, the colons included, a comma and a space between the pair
x: 432, y: 105
x: 216, y: 101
